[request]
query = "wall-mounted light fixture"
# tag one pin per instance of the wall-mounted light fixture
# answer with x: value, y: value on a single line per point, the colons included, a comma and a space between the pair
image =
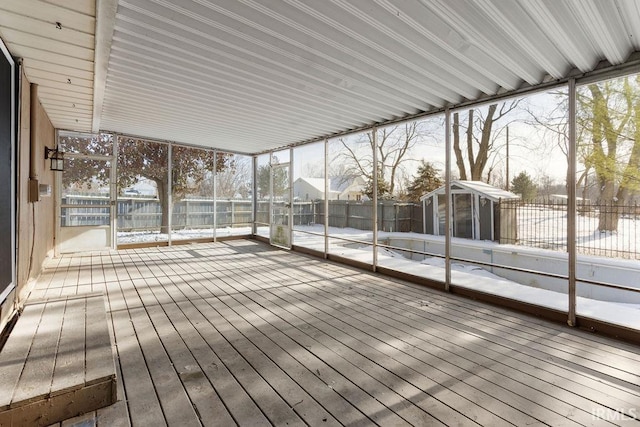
x: 57, y: 158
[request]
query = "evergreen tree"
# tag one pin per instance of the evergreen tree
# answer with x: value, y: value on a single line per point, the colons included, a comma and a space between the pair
x: 427, y: 179
x: 523, y: 185
x: 280, y: 181
x: 384, y: 190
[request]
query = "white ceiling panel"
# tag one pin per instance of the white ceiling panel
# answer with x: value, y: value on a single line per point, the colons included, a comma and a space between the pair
x: 55, y: 40
x: 254, y: 75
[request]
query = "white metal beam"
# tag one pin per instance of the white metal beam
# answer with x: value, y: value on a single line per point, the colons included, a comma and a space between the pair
x: 105, y: 24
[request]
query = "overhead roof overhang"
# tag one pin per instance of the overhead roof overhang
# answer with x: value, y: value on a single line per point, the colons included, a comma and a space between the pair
x: 250, y: 75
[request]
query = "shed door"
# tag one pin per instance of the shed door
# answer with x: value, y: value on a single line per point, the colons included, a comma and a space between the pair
x: 462, y: 216
x: 486, y: 219
x: 429, y: 213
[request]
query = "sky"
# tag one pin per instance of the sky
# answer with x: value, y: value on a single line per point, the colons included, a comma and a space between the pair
x: 532, y: 148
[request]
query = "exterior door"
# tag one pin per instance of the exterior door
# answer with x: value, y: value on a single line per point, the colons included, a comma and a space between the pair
x: 7, y: 174
x: 280, y: 223
x: 462, y: 216
x: 86, y: 204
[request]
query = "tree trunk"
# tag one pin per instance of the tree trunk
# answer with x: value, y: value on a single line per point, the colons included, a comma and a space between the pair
x: 604, y: 163
x: 470, y: 156
x: 456, y: 146
x: 480, y: 162
x: 609, y: 216
x: 163, y: 199
x: 630, y: 183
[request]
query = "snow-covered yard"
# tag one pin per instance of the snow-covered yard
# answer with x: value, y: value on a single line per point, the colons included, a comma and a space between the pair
x: 150, y: 236
x: 546, y: 227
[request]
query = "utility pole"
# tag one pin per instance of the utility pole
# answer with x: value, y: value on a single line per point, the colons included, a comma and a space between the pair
x: 507, y: 157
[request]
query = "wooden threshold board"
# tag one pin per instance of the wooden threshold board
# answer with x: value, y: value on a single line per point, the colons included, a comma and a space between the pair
x: 58, y: 362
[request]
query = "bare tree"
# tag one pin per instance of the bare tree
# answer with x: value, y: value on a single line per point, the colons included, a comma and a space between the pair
x: 235, y: 180
x: 479, y: 139
x: 392, y: 145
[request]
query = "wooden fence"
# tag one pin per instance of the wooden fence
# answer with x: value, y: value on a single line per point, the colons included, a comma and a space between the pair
x: 392, y: 216
x: 143, y: 213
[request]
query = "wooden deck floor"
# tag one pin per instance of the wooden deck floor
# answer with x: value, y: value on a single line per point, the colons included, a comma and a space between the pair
x: 241, y: 333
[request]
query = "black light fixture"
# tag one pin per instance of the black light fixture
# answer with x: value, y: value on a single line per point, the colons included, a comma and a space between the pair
x: 57, y: 158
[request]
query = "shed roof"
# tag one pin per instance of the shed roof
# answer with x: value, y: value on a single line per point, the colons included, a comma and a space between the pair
x: 476, y: 187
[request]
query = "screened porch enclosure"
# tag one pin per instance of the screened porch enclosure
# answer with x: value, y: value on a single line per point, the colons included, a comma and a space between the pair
x: 298, y: 212
x: 499, y: 245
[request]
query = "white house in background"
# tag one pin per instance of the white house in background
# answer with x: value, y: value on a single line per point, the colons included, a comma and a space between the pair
x: 305, y: 189
x: 476, y: 212
x: 354, y: 191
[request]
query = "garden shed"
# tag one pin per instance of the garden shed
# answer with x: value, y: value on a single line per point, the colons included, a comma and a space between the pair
x: 476, y: 212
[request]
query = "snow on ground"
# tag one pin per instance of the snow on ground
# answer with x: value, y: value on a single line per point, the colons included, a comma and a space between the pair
x: 547, y: 228
x: 125, y: 237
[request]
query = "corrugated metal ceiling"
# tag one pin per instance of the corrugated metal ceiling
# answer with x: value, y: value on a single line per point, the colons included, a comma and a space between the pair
x: 55, y: 39
x: 252, y: 75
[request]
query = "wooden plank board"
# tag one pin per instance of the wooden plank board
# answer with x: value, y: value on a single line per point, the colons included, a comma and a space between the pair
x: 206, y: 400
x: 14, y: 354
x: 35, y: 381
x: 270, y: 404
x: 97, y: 274
x: 418, y: 408
x: 144, y: 408
x: 503, y: 320
x: 305, y: 406
x: 194, y: 329
x: 116, y: 415
x: 52, y: 379
x: 88, y: 420
x: 44, y: 412
x: 84, y: 276
x: 340, y: 377
x: 131, y: 266
x: 173, y: 398
x: 108, y: 268
x: 55, y: 285
x: 593, y: 356
x: 99, y: 356
x: 69, y: 369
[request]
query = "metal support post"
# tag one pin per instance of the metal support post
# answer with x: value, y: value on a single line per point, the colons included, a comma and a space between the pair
x: 447, y: 221
x: 571, y: 204
x: 292, y: 210
x: 169, y: 194
x: 254, y: 196
x: 215, y: 196
x: 327, y: 188
x: 374, y: 213
x: 113, y: 193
